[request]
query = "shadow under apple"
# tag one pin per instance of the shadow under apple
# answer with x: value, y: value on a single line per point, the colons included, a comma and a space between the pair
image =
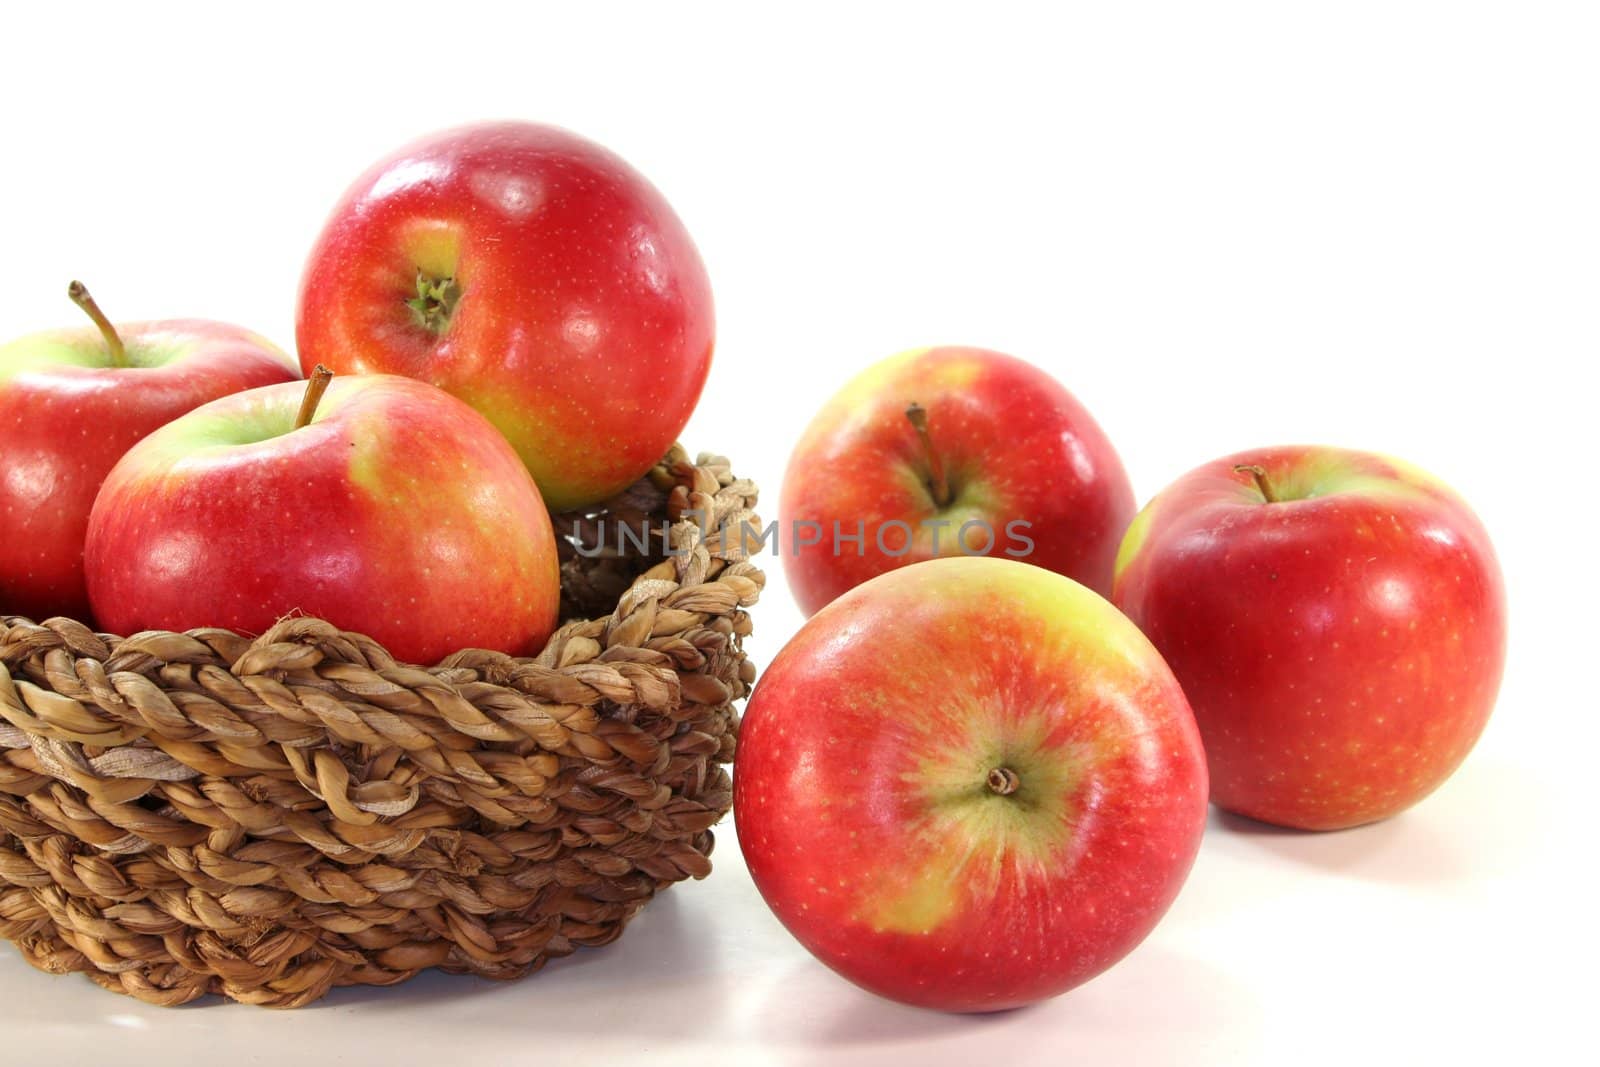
x: 810, y: 1011
x: 1485, y: 817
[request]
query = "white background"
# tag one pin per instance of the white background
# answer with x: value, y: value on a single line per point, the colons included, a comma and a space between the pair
x: 1221, y: 225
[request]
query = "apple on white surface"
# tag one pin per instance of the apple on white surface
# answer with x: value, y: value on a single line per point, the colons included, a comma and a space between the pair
x: 969, y: 784
x: 72, y: 401
x: 951, y: 451
x: 385, y: 506
x: 1337, y: 619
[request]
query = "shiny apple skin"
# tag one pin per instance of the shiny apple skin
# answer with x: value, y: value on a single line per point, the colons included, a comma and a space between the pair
x: 67, y: 416
x: 399, y: 512
x: 1016, y: 446
x: 860, y: 793
x: 584, y: 328
x: 1342, y: 647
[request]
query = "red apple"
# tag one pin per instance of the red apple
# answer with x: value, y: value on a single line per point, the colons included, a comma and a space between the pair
x: 1337, y: 620
x: 944, y: 452
x: 534, y: 275
x: 71, y: 403
x: 389, y: 508
x: 969, y: 784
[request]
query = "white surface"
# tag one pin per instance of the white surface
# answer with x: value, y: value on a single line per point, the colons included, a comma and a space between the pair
x: 1220, y: 225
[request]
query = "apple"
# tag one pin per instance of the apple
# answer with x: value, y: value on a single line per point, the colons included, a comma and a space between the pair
x: 534, y: 275
x: 1337, y: 620
x: 72, y: 402
x: 385, y: 506
x: 969, y: 784
x: 951, y: 451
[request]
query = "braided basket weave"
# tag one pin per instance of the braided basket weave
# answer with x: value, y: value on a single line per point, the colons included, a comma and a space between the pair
x: 183, y: 814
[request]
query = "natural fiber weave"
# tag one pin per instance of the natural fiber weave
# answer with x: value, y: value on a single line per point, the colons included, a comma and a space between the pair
x: 183, y: 814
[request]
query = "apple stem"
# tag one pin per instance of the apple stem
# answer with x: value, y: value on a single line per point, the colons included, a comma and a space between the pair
x: 1003, y: 781
x: 314, y: 390
x: 78, y: 293
x: 1259, y: 473
x: 917, y: 415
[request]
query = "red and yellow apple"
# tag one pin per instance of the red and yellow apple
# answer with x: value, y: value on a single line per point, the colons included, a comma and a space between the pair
x: 534, y: 275
x: 1337, y: 620
x: 72, y: 402
x: 969, y: 784
x: 386, y: 507
x: 945, y: 452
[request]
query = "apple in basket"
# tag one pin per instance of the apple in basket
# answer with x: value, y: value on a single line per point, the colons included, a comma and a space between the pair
x: 945, y: 452
x: 385, y: 506
x: 71, y: 403
x: 536, y: 276
x: 969, y: 784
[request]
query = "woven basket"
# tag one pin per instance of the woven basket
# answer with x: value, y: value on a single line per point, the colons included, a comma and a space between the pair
x: 183, y: 814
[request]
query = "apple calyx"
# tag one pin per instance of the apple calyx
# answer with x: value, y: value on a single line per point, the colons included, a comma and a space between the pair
x: 1259, y: 473
x: 78, y: 293
x: 435, y: 302
x: 938, y: 484
x: 1003, y: 781
x: 315, y: 387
